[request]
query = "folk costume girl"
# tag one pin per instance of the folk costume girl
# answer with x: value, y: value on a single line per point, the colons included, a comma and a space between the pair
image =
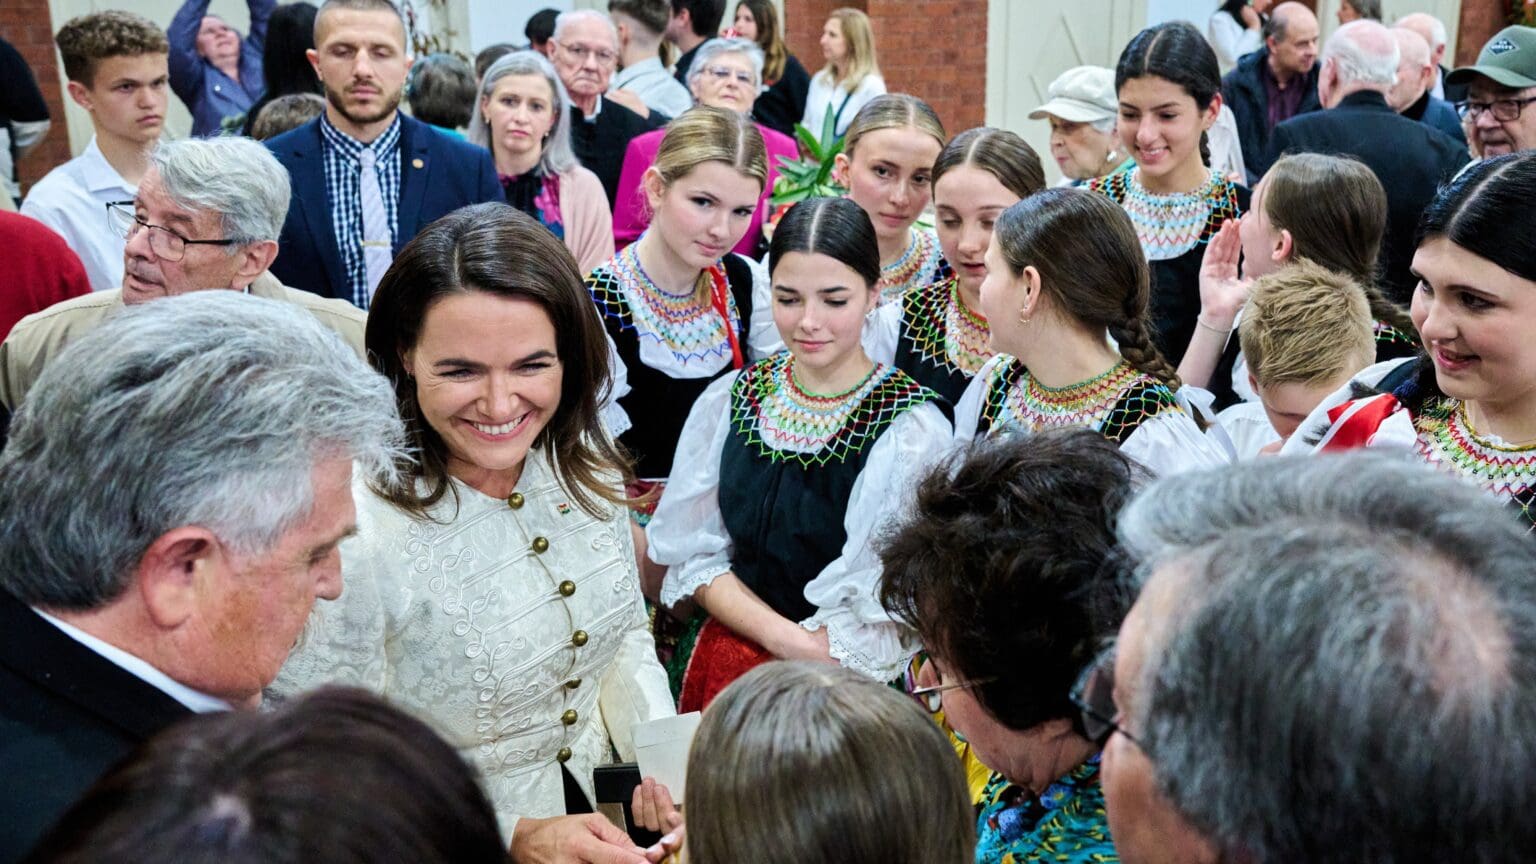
x: 1169, y: 88
x: 798, y: 460
x: 936, y: 333
x: 677, y: 303
x: 1469, y: 408
x: 1065, y: 275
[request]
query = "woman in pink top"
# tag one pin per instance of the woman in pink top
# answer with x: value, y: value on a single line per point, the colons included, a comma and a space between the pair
x: 726, y: 73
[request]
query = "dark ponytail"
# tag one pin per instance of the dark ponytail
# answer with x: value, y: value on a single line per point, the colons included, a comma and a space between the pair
x: 1091, y: 264
x: 1176, y: 52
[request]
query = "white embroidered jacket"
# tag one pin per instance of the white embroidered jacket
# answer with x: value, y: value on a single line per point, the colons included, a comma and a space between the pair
x: 516, y: 629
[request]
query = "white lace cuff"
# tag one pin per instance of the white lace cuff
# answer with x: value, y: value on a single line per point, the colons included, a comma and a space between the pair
x: 684, y: 580
x: 877, y: 651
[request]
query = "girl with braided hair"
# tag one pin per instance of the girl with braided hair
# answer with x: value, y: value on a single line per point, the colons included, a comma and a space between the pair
x: 1066, y: 299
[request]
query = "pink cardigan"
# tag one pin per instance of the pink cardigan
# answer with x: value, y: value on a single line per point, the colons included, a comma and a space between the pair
x: 584, y: 211
x: 629, y: 211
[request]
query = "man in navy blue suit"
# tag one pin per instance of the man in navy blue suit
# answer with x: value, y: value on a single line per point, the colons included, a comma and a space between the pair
x: 365, y: 177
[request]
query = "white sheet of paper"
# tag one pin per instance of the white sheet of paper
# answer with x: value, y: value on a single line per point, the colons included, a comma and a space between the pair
x: 661, y: 748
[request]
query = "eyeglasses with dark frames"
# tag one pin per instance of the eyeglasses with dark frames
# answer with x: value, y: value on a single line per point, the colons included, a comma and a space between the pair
x: 1094, y: 697
x: 1504, y: 110
x: 166, y: 243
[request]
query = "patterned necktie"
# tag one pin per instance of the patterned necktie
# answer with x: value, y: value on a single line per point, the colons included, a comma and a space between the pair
x: 378, y: 251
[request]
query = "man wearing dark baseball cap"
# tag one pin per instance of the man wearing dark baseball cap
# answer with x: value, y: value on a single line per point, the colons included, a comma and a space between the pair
x: 1500, y: 90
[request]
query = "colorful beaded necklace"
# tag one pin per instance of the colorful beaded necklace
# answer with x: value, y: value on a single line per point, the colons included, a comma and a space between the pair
x: 1170, y: 225
x: 915, y: 267
x: 1032, y: 406
x: 944, y: 330
x: 787, y: 422
x: 689, y: 329
x: 1446, y: 439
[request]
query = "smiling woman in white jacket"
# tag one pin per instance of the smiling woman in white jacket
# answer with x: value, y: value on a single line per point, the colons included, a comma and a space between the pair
x: 494, y: 592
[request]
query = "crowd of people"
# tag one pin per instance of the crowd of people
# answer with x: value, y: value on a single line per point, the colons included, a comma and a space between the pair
x: 371, y: 475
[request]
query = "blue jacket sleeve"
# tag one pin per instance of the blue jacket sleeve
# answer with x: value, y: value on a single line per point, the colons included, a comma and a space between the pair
x: 261, y: 12
x: 489, y: 183
x: 186, y: 67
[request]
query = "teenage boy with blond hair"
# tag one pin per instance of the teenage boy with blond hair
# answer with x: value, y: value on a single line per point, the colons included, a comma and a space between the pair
x: 1305, y: 332
x: 116, y: 65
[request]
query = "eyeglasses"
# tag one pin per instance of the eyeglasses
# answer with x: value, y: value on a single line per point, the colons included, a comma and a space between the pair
x: 930, y: 698
x: 604, y: 56
x: 1094, y: 696
x: 720, y: 73
x: 167, y: 244
x: 1504, y: 110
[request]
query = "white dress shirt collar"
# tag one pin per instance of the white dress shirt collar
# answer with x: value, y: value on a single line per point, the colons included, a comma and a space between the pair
x: 201, y: 703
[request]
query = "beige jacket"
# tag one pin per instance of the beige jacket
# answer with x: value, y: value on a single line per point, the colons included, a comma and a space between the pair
x: 42, y: 335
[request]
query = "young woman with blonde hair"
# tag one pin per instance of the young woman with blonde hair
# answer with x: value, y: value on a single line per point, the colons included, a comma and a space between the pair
x: 677, y: 303
x: 851, y: 77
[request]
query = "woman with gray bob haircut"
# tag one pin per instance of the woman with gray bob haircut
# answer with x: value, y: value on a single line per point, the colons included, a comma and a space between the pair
x: 207, y: 409
x: 1325, y: 670
x: 523, y: 117
x: 816, y: 764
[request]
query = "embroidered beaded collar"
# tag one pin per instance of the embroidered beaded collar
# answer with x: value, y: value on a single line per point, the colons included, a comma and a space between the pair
x: 945, y: 332
x: 1170, y: 225
x: 1447, y: 440
x: 1015, y: 400
x: 681, y: 323
x: 914, y: 268
x: 784, y: 422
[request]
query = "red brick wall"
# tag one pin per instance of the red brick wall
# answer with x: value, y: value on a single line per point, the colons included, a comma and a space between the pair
x: 936, y: 50
x: 26, y: 24
x: 933, y: 49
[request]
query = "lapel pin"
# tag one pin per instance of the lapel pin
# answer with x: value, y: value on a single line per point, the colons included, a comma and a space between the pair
x: 417, y: 163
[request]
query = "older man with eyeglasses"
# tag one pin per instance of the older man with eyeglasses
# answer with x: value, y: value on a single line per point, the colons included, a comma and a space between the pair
x: 1500, y: 89
x: 207, y: 216
x: 585, y: 50
x: 1330, y: 661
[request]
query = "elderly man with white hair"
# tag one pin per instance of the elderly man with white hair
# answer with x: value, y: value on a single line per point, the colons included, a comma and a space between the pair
x: 1433, y: 31
x: 207, y: 216
x: 171, y: 505
x: 1359, y: 68
x: 585, y: 49
x: 1321, y: 669
x: 1410, y: 96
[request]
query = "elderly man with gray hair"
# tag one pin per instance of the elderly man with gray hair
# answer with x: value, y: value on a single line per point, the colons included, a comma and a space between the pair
x: 1322, y: 669
x: 1410, y: 96
x: 207, y: 216
x: 171, y: 503
x: 1359, y: 68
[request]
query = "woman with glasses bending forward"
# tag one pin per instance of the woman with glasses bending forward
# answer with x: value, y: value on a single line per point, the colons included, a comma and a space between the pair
x: 1003, y: 569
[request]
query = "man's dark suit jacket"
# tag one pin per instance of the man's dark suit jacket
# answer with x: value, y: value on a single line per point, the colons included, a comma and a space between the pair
x: 67, y: 714
x: 1437, y: 114
x: 1242, y: 90
x: 599, y: 144
x: 1410, y: 159
x: 438, y: 175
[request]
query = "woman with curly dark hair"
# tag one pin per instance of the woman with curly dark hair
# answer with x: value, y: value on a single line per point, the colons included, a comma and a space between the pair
x: 1004, y: 568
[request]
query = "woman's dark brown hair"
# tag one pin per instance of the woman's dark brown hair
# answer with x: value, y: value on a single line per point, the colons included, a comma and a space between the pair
x: 768, y: 38
x: 1091, y: 266
x: 338, y: 776
x: 1336, y: 211
x: 998, y: 152
x: 1007, y: 566
x: 497, y: 249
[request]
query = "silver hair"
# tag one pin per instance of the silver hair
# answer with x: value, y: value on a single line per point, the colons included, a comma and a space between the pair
x: 236, y: 177
x: 1357, y: 624
x: 209, y: 408
x: 557, y: 156
x: 708, y: 51
x: 1374, y: 63
x: 565, y: 19
x: 1437, y: 35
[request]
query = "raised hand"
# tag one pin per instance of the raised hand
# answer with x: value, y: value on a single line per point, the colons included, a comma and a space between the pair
x: 1222, y: 290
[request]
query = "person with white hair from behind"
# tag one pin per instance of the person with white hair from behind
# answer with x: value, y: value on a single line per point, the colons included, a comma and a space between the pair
x: 1359, y: 67
x: 1410, y: 96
